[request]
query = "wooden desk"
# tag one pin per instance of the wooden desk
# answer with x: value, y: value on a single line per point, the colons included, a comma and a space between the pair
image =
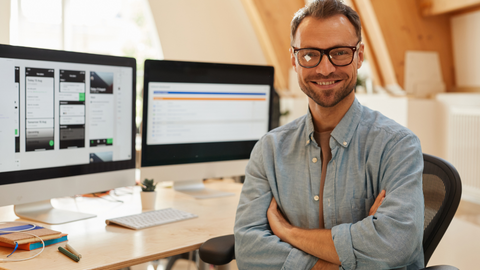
x: 114, y: 247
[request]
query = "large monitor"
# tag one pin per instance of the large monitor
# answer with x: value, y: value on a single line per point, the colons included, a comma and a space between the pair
x: 201, y: 120
x: 66, y: 127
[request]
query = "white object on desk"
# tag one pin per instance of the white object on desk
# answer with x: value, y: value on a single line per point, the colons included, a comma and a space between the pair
x: 152, y: 218
x: 148, y: 199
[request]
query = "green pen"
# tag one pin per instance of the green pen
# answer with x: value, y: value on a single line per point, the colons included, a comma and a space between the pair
x: 69, y: 254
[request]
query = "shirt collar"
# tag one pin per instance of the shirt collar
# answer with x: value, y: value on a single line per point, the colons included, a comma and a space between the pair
x: 344, y: 131
x: 310, y: 128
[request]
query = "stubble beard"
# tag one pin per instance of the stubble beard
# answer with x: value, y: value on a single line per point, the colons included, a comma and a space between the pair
x: 321, y: 98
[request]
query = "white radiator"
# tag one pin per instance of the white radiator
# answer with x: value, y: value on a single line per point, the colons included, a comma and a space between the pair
x: 463, y: 148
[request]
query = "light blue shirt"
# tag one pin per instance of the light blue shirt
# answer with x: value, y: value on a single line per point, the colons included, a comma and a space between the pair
x: 369, y: 153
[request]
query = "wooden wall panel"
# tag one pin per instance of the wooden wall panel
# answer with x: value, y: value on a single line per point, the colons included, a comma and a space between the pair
x: 436, y: 7
x: 404, y: 28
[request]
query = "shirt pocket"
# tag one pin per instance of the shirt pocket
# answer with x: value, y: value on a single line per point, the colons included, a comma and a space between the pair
x: 360, y: 208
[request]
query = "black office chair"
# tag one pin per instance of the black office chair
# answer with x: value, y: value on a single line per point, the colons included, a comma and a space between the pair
x: 442, y: 190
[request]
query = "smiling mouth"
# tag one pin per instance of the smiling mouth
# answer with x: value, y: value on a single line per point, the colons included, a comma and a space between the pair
x: 326, y: 83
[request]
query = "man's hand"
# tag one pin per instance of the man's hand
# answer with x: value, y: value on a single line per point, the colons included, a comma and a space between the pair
x: 277, y: 221
x: 377, y: 203
x: 323, y: 265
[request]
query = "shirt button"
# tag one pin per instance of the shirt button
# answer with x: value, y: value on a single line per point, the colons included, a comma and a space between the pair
x: 316, y: 198
x: 345, y: 143
x: 314, y: 160
x: 308, y: 141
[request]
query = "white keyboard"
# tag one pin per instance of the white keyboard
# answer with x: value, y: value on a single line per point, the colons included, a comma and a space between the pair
x: 151, y: 218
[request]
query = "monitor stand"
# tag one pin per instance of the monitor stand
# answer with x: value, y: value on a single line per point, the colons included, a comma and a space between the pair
x: 44, y: 212
x: 197, y: 189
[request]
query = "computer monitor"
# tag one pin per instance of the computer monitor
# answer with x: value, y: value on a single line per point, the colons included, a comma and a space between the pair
x: 201, y: 120
x: 66, y: 127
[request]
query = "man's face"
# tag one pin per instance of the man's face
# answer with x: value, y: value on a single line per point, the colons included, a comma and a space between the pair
x: 327, y: 84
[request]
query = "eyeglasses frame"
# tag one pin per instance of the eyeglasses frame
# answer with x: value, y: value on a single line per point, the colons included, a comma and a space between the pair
x: 326, y: 52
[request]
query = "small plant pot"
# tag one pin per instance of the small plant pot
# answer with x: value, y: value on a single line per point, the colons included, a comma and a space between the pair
x: 148, y: 199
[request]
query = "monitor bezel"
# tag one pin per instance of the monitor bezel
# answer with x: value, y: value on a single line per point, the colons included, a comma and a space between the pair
x: 29, y: 53
x: 149, y: 154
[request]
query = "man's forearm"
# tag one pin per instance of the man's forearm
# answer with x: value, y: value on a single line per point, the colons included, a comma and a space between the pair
x: 324, y: 265
x: 317, y: 242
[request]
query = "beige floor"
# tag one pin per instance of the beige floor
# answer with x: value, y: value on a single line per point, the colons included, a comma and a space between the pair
x: 460, y: 246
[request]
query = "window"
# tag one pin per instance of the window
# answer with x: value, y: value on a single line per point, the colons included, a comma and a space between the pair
x: 113, y: 27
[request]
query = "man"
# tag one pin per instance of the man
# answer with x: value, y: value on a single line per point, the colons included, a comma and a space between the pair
x: 340, y: 186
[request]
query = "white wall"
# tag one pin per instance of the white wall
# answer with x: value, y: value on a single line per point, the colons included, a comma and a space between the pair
x: 466, y: 41
x: 206, y: 31
x: 4, y: 21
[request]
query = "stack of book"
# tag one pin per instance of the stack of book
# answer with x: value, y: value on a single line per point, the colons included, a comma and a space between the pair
x: 27, y: 241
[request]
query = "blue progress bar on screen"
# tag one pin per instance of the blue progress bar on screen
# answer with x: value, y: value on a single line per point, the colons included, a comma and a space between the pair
x: 207, y: 93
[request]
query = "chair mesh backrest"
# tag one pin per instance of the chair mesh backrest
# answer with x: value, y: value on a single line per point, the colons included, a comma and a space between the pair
x: 442, y: 192
x: 434, y: 196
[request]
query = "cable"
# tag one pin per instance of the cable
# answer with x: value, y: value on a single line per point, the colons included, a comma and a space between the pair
x: 22, y: 231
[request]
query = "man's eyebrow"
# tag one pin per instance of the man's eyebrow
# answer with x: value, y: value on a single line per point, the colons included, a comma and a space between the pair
x: 337, y: 45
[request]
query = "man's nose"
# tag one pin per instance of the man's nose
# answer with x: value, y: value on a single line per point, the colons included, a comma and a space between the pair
x: 325, y: 67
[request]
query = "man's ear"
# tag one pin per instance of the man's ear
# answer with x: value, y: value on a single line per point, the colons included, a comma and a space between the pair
x: 360, y: 55
x: 292, y: 59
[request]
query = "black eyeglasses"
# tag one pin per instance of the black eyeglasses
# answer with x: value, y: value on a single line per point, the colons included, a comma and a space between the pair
x: 339, y: 56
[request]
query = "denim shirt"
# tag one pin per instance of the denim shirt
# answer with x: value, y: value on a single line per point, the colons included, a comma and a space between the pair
x: 369, y: 153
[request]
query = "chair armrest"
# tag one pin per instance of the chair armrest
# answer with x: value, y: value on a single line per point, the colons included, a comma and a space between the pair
x: 219, y: 250
x: 440, y: 267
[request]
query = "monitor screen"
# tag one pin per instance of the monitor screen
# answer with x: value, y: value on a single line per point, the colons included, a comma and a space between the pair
x: 66, y: 123
x: 202, y: 120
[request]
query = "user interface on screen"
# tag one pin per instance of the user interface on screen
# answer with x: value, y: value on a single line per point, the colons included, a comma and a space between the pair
x: 55, y: 114
x: 206, y: 112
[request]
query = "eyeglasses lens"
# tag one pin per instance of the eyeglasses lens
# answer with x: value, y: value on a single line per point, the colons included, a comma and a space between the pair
x: 311, y: 58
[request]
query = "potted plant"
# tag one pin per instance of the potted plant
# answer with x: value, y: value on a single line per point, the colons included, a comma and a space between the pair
x: 148, y: 194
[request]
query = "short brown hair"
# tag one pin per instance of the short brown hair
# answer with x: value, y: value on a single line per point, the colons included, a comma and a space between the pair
x: 323, y: 9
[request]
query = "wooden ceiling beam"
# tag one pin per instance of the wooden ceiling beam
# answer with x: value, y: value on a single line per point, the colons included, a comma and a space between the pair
x: 271, y: 21
x: 437, y: 7
x: 370, y: 56
x: 378, y: 52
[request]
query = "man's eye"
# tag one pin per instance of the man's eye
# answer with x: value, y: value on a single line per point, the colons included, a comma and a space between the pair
x: 340, y: 53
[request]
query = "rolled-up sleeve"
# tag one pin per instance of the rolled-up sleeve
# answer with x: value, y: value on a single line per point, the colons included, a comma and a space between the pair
x: 392, y: 238
x: 256, y: 247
